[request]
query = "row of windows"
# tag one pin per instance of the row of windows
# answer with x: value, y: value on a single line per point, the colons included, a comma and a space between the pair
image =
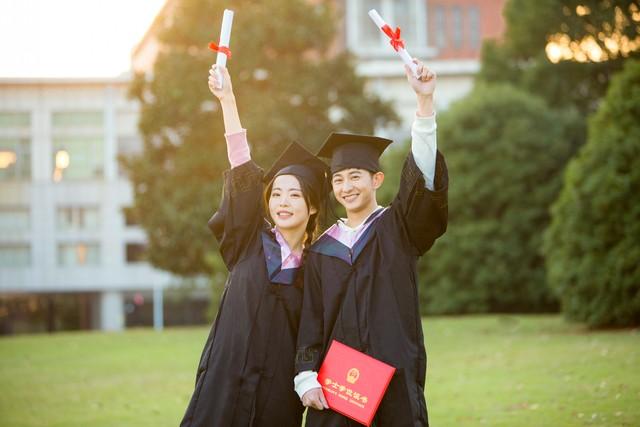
x: 397, y: 13
x: 77, y: 149
x: 450, y: 26
x: 72, y: 157
x: 60, y: 120
x: 76, y: 218
x: 68, y: 254
x: 67, y: 218
x: 456, y: 27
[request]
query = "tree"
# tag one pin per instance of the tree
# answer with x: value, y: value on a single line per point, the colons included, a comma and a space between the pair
x: 564, y: 50
x: 593, y: 243
x: 286, y: 80
x: 505, y: 150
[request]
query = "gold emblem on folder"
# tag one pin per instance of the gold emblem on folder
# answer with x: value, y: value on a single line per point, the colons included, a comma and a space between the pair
x: 353, y: 375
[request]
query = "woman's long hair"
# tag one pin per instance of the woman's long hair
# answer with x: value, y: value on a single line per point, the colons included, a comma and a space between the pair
x: 312, y: 199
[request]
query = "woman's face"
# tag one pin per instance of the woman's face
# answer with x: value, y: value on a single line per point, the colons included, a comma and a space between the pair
x: 287, y: 206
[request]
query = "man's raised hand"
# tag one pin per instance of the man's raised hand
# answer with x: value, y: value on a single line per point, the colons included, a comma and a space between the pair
x: 425, y: 84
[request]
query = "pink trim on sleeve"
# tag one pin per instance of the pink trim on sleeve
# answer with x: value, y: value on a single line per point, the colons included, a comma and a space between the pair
x: 237, y: 148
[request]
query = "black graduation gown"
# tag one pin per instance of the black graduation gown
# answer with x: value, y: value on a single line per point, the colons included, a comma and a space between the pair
x: 367, y: 297
x: 245, y: 374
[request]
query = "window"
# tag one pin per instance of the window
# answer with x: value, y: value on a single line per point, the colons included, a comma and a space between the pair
x: 440, y: 27
x: 369, y: 34
x: 78, y: 146
x: 15, y: 159
x: 474, y: 27
x: 15, y: 256
x: 135, y: 252
x: 456, y: 26
x: 404, y: 16
x: 15, y: 120
x: 78, y: 218
x: 78, y: 254
x: 364, y: 38
x: 77, y: 158
x: 14, y: 219
x: 77, y: 120
x: 15, y: 146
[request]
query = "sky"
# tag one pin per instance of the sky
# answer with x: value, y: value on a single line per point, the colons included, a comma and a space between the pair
x: 71, y: 38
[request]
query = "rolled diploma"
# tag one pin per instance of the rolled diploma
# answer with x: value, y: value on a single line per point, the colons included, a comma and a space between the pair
x: 225, y: 35
x: 375, y: 16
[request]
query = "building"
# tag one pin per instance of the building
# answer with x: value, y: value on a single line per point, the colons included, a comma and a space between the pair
x: 70, y: 256
x: 446, y: 34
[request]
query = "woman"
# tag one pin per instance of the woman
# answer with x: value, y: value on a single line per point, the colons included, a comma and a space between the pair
x: 245, y: 374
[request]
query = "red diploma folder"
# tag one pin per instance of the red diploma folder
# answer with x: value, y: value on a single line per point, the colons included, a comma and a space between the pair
x: 353, y: 383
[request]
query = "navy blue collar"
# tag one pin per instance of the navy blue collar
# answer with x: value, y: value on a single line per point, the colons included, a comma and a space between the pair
x: 330, y: 246
x: 273, y: 259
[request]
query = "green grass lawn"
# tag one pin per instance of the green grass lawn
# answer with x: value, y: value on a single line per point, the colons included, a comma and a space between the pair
x: 482, y: 370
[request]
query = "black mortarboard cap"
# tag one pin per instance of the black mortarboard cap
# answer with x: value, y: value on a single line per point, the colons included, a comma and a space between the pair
x: 298, y: 161
x: 353, y: 151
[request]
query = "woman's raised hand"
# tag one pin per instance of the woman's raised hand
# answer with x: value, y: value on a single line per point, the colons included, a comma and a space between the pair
x: 227, y: 87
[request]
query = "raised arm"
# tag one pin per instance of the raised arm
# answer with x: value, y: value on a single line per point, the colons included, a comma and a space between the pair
x: 236, y: 136
x: 420, y: 206
x: 423, y: 132
x: 239, y: 217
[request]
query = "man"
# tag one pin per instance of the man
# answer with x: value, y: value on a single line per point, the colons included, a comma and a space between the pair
x: 360, y: 275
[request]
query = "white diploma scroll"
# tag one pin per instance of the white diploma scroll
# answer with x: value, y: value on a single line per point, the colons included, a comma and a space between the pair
x: 375, y: 16
x: 225, y: 35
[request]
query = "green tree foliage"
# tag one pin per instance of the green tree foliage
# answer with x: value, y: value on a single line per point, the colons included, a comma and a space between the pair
x: 286, y: 79
x: 612, y: 28
x: 505, y: 150
x: 593, y: 243
x: 391, y: 163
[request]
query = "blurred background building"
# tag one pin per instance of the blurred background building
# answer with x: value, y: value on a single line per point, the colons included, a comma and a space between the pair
x: 71, y: 257
x: 446, y: 34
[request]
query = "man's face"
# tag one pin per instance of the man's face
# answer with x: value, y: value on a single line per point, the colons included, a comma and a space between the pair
x: 355, y: 189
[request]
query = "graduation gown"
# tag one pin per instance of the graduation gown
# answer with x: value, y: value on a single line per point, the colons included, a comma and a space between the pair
x: 245, y: 374
x: 366, y: 297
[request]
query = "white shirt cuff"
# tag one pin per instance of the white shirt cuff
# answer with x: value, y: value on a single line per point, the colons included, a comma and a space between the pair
x: 424, y: 147
x: 425, y: 124
x: 305, y: 381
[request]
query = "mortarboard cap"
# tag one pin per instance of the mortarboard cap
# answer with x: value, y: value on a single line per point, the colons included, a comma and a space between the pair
x: 353, y: 151
x: 298, y: 161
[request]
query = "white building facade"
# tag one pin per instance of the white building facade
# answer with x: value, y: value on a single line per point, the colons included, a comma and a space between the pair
x: 63, y: 198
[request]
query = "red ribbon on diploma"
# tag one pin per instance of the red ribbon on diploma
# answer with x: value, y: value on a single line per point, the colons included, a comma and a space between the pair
x: 394, y: 37
x: 222, y: 49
